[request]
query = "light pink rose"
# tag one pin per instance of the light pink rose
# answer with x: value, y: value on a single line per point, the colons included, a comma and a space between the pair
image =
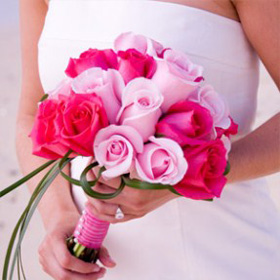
x: 141, y: 101
x: 143, y: 44
x: 115, y: 148
x: 176, y: 77
x: 63, y: 88
x: 232, y: 130
x: 214, y: 102
x: 227, y: 144
x: 106, y: 84
x: 162, y: 161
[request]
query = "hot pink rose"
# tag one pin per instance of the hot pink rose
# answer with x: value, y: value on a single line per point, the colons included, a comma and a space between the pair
x: 187, y: 123
x: 134, y: 64
x: 141, y: 101
x: 204, y: 178
x: 145, y: 45
x: 162, y: 161
x: 232, y: 130
x: 115, y: 148
x: 45, y: 135
x: 176, y: 77
x: 106, y: 84
x: 210, y: 99
x: 92, y: 58
x: 80, y: 117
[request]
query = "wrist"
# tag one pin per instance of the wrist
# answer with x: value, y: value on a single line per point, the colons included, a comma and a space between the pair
x: 57, y: 214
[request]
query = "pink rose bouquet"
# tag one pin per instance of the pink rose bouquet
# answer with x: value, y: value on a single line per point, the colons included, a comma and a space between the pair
x: 145, y: 115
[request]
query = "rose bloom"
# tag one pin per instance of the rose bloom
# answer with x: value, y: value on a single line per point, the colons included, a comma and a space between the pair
x: 162, y: 161
x: 204, y: 178
x: 45, y: 135
x: 63, y: 88
x: 143, y: 44
x: 92, y: 58
x: 214, y: 102
x: 187, y: 123
x: 232, y: 130
x: 115, y: 148
x: 133, y: 64
x: 176, y: 76
x: 107, y: 84
x: 141, y: 101
x: 80, y: 117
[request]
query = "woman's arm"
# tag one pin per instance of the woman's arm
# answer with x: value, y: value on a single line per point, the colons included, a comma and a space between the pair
x: 57, y: 208
x: 56, y: 200
x: 261, y: 23
x: 258, y: 154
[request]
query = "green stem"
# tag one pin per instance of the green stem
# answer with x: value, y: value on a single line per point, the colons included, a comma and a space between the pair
x: 78, y: 249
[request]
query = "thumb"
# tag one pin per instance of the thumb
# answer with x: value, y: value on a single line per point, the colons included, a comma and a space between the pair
x: 105, y: 258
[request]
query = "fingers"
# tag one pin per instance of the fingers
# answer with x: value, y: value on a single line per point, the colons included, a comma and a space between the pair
x: 104, y: 208
x: 60, y: 264
x: 113, y: 183
x: 109, y: 218
x: 68, y: 261
x: 51, y: 266
x: 105, y: 258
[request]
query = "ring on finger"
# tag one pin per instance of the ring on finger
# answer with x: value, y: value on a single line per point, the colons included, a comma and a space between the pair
x: 119, y: 214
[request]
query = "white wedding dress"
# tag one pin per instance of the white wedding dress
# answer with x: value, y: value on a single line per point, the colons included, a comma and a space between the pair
x: 236, y: 237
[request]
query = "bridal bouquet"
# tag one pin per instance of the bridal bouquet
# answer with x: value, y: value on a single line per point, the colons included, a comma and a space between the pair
x: 143, y: 114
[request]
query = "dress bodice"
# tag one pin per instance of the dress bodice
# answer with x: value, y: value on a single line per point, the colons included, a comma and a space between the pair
x: 215, y: 42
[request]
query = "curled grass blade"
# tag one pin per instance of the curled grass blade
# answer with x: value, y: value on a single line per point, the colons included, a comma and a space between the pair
x: 21, y: 264
x: 87, y: 187
x: 25, y: 178
x: 67, y: 177
x: 43, y: 186
x: 137, y: 184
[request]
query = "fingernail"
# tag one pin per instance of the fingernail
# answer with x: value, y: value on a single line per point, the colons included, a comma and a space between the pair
x: 102, y: 274
x: 96, y: 269
x: 111, y: 260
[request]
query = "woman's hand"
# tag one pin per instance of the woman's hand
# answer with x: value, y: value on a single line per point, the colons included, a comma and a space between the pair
x: 57, y: 261
x: 134, y: 203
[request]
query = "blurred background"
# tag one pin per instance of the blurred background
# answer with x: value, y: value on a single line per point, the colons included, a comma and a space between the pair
x: 13, y: 204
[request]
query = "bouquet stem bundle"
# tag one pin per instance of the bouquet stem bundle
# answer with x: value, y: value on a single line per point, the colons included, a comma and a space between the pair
x: 88, y: 237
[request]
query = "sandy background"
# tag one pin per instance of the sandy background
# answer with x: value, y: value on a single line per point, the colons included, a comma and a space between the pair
x: 13, y: 204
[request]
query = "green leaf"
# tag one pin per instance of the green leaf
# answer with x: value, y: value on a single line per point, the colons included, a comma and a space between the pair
x: 44, y: 97
x: 21, y: 265
x: 137, y: 184
x: 158, y: 135
x: 174, y: 191
x: 25, y: 178
x: 43, y: 186
x: 227, y: 168
x: 10, y: 247
x: 67, y: 177
x: 25, y: 218
x: 15, y: 231
x: 209, y: 199
x: 88, y: 188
